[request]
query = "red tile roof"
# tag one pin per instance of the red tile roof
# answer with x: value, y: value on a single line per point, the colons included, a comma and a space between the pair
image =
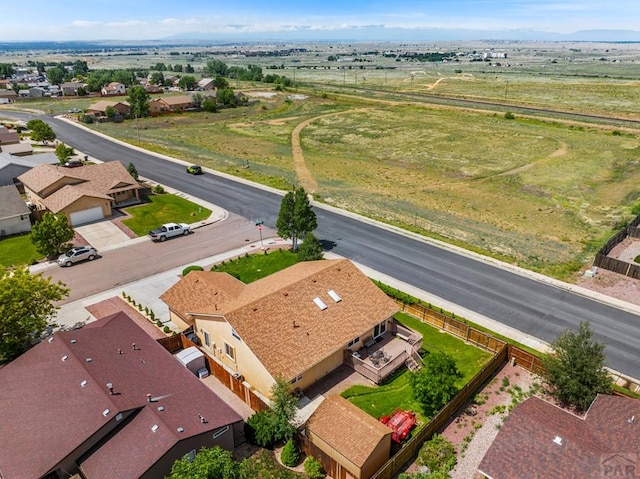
x: 527, y: 446
x: 48, y: 414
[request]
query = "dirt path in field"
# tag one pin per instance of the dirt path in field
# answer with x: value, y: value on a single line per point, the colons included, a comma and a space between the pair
x: 304, y: 176
x: 559, y: 152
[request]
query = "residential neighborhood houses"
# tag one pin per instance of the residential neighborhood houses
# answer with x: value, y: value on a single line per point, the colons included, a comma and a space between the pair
x: 108, y: 400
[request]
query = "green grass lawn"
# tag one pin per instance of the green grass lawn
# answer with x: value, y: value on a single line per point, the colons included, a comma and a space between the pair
x: 160, y: 209
x: 17, y: 250
x: 256, y: 266
x: 382, y: 400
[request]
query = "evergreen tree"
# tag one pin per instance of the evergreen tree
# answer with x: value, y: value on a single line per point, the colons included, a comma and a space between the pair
x: 296, y: 218
x: 575, y: 369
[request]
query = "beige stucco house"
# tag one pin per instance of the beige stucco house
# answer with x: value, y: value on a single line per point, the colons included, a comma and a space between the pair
x: 297, y: 324
x: 83, y: 194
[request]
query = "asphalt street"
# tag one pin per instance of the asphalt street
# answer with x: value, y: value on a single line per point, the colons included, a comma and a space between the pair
x: 535, y: 308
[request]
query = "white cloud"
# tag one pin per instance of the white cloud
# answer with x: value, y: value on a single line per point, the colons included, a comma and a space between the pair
x: 84, y: 23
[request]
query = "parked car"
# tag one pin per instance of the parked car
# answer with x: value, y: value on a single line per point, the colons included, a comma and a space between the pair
x: 79, y: 253
x: 194, y: 169
x: 73, y: 164
x: 169, y: 230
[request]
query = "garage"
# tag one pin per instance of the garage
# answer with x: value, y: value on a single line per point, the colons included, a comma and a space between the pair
x: 85, y: 216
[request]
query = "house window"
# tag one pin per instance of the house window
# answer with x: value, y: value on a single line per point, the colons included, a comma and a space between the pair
x: 24, y: 217
x: 353, y: 342
x: 296, y: 379
x: 191, y: 455
x: 230, y: 351
x: 379, y: 329
x: 235, y: 334
x: 220, y: 432
x: 207, y: 339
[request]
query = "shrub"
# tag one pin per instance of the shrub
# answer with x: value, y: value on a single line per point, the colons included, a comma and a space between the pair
x: 438, y: 454
x: 124, y: 295
x: 158, y: 189
x: 188, y: 269
x: 159, y: 323
x: 146, y: 310
x: 166, y: 329
x: 290, y: 454
x: 140, y: 307
x: 313, y: 468
x: 509, y: 116
x: 262, y: 429
x: 133, y: 301
x: 152, y: 315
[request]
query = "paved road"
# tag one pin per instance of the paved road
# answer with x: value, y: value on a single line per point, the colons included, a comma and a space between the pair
x: 534, y: 308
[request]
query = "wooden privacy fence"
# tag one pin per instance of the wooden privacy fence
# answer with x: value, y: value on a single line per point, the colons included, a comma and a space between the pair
x: 233, y: 383
x: 602, y: 260
x: 413, y: 445
x: 453, y: 326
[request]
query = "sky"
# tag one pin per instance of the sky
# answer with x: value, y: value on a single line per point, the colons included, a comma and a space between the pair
x: 46, y: 20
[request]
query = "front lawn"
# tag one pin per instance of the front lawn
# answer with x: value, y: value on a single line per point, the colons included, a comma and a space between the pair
x: 160, y: 209
x: 18, y: 250
x: 252, y: 267
x: 382, y: 400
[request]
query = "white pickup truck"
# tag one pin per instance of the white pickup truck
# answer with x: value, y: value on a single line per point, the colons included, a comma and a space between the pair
x: 169, y: 230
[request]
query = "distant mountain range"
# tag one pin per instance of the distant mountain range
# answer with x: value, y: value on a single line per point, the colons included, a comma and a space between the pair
x: 373, y: 33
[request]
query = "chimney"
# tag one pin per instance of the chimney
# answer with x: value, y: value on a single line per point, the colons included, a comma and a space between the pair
x: 134, y: 346
x: 120, y: 351
x: 110, y: 388
x: 295, y: 325
x: 149, y: 397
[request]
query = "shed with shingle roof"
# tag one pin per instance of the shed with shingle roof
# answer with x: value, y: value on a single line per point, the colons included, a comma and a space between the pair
x: 357, y: 443
x: 295, y: 324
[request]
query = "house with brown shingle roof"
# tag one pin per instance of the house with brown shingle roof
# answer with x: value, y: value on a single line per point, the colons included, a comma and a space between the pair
x: 99, y: 108
x: 8, y: 137
x: 358, y: 443
x: 539, y: 439
x: 82, y: 194
x: 297, y: 324
x: 106, y: 400
x: 114, y: 88
x: 172, y: 103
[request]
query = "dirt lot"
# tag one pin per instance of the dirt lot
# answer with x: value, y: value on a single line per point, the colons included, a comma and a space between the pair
x: 613, y: 284
x: 474, y: 427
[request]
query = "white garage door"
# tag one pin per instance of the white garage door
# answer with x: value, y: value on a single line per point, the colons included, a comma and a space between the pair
x: 81, y: 217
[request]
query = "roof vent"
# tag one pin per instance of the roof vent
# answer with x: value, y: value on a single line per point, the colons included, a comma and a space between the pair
x: 335, y: 296
x: 154, y: 428
x: 83, y: 383
x: 106, y: 412
x: 160, y: 408
x: 320, y: 304
x: 65, y: 357
x: 88, y: 360
x: 50, y: 339
x: 631, y: 419
x: 180, y: 429
x: 558, y: 440
x: 73, y: 341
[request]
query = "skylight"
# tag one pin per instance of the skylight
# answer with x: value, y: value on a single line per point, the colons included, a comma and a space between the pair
x: 335, y: 296
x: 320, y: 304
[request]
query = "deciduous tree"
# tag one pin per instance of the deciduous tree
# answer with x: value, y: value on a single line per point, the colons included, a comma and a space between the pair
x: 435, y: 384
x: 187, y: 82
x: 26, y: 308
x: 138, y: 99
x: 575, y: 369
x: 215, y: 68
x: 51, y: 233
x: 41, y: 131
x: 63, y: 152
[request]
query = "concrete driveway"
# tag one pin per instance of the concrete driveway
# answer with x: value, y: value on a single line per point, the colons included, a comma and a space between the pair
x: 103, y: 235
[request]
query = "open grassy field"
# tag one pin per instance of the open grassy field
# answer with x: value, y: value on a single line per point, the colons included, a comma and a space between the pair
x: 542, y: 193
x: 539, y: 193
